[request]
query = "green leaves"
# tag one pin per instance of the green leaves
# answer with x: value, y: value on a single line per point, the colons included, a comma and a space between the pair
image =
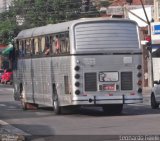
x: 25, y: 14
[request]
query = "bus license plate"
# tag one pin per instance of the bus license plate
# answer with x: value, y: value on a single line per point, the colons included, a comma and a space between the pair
x: 109, y: 87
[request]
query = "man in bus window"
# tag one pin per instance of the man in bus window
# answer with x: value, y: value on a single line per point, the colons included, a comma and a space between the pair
x: 47, y: 46
x: 47, y: 49
x: 57, y: 45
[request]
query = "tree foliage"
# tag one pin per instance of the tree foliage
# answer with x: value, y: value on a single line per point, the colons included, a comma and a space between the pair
x: 23, y: 14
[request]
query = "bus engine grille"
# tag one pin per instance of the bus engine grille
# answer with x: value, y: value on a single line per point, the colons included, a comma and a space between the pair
x: 126, y: 81
x: 90, y: 81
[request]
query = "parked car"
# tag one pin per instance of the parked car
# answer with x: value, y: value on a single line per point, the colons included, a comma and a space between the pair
x: 155, y: 95
x: 7, y: 76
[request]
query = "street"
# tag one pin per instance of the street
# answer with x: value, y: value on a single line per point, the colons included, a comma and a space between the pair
x: 137, y: 119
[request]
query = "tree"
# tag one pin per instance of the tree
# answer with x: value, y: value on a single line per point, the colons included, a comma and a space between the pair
x: 23, y: 14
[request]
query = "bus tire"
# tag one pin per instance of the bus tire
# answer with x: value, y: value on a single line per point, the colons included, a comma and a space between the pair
x: 113, y: 108
x: 24, y: 104
x: 56, y: 106
x: 154, y: 104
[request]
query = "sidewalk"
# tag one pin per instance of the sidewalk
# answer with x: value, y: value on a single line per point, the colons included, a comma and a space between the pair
x: 146, y: 91
x: 146, y: 94
x: 11, y: 133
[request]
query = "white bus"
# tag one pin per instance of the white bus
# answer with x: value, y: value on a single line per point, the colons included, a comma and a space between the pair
x: 85, y: 62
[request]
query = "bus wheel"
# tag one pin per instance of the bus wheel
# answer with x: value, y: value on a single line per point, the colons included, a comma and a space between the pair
x: 24, y: 104
x: 56, y: 107
x: 154, y: 104
x: 113, y: 108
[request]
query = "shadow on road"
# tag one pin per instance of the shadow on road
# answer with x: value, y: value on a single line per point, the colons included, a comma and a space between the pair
x: 14, y: 108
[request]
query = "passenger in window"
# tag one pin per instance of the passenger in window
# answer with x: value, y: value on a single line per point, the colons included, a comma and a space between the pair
x: 57, y: 45
x: 46, y: 49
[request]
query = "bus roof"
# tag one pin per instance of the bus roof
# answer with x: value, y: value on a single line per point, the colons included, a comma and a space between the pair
x: 61, y: 27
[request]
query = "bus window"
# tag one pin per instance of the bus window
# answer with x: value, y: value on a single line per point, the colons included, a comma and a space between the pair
x: 62, y: 43
x: 53, y: 45
x: 32, y: 47
x: 57, y: 44
x: 47, y: 45
x: 67, y: 44
x: 24, y: 47
x: 64, y: 39
x: 39, y: 45
x: 28, y: 48
x: 43, y: 43
x: 17, y: 48
x: 36, y: 46
x: 21, y: 48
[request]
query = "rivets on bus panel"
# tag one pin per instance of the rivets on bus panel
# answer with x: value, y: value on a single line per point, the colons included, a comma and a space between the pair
x: 139, y: 67
x: 77, y: 84
x: 139, y: 74
x: 140, y: 90
x: 77, y: 92
x: 77, y: 76
x: 77, y: 68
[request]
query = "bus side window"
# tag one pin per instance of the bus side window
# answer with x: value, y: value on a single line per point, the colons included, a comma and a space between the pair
x: 43, y: 43
x: 36, y: 46
x: 47, y: 45
x: 53, y: 45
x: 39, y: 45
x: 17, y: 48
x: 32, y: 47
x: 24, y: 48
x: 57, y: 44
x: 62, y: 42
x: 67, y: 43
x: 28, y: 48
x: 21, y: 48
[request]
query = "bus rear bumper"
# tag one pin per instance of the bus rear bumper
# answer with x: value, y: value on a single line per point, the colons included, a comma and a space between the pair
x: 100, y: 100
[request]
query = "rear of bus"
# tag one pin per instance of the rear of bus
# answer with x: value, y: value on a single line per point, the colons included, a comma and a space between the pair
x: 106, y: 63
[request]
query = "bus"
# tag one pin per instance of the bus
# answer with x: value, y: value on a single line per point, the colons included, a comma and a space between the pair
x: 84, y: 62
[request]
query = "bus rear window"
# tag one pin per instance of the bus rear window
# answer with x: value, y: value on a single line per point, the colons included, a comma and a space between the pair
x: 106, y: 35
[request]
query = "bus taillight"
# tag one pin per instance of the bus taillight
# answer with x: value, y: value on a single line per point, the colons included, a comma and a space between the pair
x: 139, y: 82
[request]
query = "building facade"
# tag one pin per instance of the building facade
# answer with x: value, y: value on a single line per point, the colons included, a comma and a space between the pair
x: 156, y: 10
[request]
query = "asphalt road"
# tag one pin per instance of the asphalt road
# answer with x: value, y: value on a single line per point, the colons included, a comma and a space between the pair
x: 139, y: 120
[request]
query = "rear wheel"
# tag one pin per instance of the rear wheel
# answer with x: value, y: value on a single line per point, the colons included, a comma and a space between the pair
x: 56, y: 107
x: 24, y: 104
x: 154, y: 104
x: 113, y: 108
